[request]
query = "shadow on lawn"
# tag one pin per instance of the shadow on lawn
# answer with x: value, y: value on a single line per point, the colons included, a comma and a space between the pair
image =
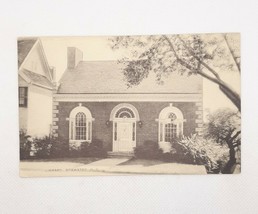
x: 72, y: 160
x: 142, y: 162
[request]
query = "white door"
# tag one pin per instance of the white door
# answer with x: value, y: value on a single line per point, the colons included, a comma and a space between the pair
x: 124, y: 134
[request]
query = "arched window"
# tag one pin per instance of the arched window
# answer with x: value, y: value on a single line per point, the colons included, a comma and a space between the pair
x: 170, y: 124
x: 80, y: 127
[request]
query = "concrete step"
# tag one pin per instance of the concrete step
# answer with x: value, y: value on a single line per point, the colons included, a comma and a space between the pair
x: 120, y: 154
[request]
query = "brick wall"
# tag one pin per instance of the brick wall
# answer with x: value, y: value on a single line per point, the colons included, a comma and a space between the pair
x: 148, y: 112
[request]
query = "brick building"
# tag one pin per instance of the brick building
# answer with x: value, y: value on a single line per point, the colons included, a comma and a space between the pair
x: 94, y: 102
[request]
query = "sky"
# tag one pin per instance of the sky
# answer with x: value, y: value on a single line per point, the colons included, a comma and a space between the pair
x: 97, y: 48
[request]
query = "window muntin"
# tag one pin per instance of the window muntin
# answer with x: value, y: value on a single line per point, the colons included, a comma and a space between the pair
x: 170, y: 132
x: 124, y: 113
x: 170, y: 124
x: 172, y: 116
x: 23, y: 96
x: 80, y: 126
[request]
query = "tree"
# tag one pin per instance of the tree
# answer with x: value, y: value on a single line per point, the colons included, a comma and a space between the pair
x: 201, y: 54
x: 224, y: 126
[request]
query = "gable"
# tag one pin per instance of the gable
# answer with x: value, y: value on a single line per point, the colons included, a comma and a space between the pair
x: 107, y: 77
x: 35, y: 62
x: 24, y: 47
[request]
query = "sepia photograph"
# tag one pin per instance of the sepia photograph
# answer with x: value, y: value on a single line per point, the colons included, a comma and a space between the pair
x: 123, y: 105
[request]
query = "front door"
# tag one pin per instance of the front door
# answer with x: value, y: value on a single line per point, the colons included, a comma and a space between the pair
x: 124, y: 136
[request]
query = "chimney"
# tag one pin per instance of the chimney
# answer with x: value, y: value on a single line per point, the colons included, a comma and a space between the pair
x: 74, y: 56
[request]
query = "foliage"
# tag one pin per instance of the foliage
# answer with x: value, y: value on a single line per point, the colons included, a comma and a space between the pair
x: 25, y: 145
x: 197, y: 150
x: 49, y: 147
x: 149, y: 150
x: 198, y: 54
x: 42, y: 147
x: 190, y: 150
x: 59, y: 148
x: 45, y: 147
x: 93, y: 149
x: 223, y: 125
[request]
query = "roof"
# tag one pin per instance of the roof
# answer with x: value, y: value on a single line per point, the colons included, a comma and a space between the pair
x: 107, y: 77
x: 24, y: 47
x: 37, y: 78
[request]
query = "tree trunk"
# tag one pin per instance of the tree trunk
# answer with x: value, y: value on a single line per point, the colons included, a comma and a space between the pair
x: 225, y: 89
x: 233, y: 96
x: 230, y: 166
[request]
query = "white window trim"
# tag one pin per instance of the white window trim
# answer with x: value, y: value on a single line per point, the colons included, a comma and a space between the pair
x: 129, y: 120
x: 163, y: 119
x: 72, y: 129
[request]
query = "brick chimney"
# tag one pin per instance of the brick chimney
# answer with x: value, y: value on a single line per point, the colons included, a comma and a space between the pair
x: 74, y: 56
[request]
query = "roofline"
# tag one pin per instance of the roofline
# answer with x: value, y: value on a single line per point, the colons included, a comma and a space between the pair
x: 45, y: 59
x: 29, y: 81
x: 38, y: 41
x: 42, y: 86
x: 127, y: 97
x: 26, y: 58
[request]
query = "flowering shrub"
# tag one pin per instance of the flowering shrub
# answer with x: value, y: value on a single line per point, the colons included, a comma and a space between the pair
x: 198, y: 150
x: 45, y: 147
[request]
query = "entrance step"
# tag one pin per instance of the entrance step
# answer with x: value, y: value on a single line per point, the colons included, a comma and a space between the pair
x: 120, y: 154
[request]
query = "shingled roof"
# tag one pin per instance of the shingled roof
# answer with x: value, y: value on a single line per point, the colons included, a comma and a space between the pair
x: 107, y: 77
x: 24, y: 47
x: 37, y: 78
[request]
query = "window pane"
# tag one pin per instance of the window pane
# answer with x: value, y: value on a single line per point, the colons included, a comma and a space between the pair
x: 115, y: 132
x: 161, y: 132
x: 133, y: 131
x: 23, y: 96
x: 124, y: 113
x: 170, y: 132
x: 80, y: 126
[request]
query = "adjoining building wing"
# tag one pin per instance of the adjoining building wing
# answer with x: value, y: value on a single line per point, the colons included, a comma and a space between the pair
x: 36, y: 82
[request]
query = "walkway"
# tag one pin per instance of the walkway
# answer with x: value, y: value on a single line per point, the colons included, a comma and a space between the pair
x: 108, y: 166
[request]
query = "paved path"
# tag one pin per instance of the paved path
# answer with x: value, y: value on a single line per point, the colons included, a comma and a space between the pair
x: 109, y: 166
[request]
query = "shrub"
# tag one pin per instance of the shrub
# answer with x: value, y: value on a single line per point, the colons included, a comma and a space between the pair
x: 25, y: 145
x: 42, y: 147
x: 59, y: 148
x: 149, y: 150
x: 197, y: 150
x: 45, y: 147
x: 223, y: 126
x: 93, y: 149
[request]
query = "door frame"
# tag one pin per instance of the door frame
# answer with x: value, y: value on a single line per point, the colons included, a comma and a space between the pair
x: 116, y: 121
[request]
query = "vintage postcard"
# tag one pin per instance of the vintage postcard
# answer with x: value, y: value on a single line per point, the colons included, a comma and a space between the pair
x: 123, y: 105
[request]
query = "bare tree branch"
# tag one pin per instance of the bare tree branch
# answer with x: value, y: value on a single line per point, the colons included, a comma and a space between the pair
x: 232, y: 53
